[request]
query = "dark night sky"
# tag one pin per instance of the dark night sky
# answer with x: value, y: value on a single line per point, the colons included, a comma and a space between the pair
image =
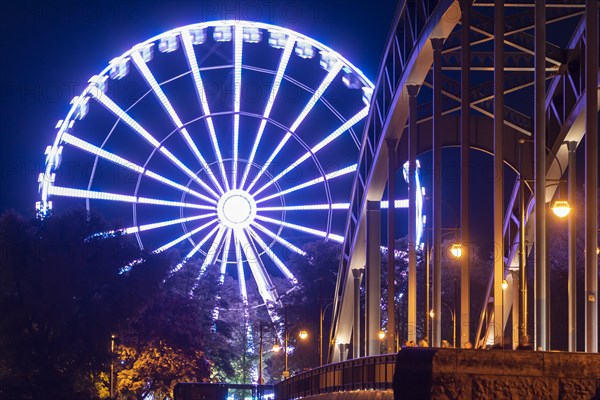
x: 50, y: 49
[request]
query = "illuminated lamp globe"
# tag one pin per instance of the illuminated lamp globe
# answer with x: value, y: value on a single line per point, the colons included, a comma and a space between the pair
x: 456, y: 250
x: 276, y: 347
x: 303, y: 334
x: 381, y: 335
x: 561, y: 208
x: 504, y: 284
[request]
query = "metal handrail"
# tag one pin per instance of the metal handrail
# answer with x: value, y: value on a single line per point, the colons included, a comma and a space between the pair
x: 367, y: 373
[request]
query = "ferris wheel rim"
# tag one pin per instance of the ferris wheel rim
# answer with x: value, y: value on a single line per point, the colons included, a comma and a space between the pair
x: 224, y: 236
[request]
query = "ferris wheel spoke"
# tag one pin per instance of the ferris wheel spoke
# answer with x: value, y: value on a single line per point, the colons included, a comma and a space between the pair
x: 212, y: 251
x: 200, y: 91
x: 240, y: 271
x: 185, y: 236
x: 329, y: 176
x: 261, y: 277
x: 278, y: 239
x: 283, y: 62
x: 334, y: 135
x: 282, y: 267
x: 237, y: 90
x: 307, y: 207
x: 309, y: 106
x: 91, y: 194
x: 148, y: 227
x: 133, y: 124
x: 316, y: 232
x: 222, y: 271
x: 194, y: 250
x: 90, y: 148
x: 160, y: 95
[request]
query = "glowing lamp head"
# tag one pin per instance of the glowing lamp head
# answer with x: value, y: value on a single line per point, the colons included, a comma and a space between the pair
x: 431, y: 314
x: 303, y: 334
x: 381, y: 335
x: 276, y: 347
x: 504, y: 284
x: 456, y: 250
x: 561, y: 208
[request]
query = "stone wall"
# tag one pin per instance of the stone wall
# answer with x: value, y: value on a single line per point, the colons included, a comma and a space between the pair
x: 444, y: 374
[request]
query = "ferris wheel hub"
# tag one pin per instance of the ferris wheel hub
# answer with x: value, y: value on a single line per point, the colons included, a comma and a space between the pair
x: 236, y: 209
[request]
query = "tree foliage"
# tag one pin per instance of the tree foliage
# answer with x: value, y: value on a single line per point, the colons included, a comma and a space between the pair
x: 61, y: 298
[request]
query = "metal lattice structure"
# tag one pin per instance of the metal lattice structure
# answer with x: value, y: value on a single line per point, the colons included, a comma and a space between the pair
x: 530, y: 61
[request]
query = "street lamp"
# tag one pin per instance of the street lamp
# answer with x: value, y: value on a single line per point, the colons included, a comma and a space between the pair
x: 302, y: 335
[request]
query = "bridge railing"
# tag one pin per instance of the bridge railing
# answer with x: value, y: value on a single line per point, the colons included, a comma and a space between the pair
x: 368, y: 373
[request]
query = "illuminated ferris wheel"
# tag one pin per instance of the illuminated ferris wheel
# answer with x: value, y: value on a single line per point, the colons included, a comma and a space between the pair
x: 233, y: 141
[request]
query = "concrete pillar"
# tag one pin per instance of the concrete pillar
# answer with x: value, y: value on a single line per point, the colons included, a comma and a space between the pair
x: 437, y: 193
x: 357, y: 275
x: 591, y: 176
x: 465, y: 130
x: 413, y: 91
x: 572, y: 264
x: 539, y: 144
x: 391, y: 275
x: 373, y: 279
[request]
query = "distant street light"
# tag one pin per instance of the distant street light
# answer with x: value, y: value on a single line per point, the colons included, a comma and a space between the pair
x: 302, y: 335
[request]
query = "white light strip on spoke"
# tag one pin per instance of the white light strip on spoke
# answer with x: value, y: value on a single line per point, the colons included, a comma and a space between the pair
x: 185, y: 236
x: 331, y: 175
x: 225, y: 256
x: 90, y: 148
x: 316, y: 232
x: 278, y: 239
x: 260, y: 275
x: 334, y: 135
x: 309, y: 106
x: 193, y: 64
x: 237, y: 90
x: 240, y: 271
x: 160, y: 94
x: 194, y: 250
x: 222, y: 271
x: 282, y: 267
x: 133, y: 124
x: 285, y: 57
x: 212, y: 251
x: 148, y: 227
x: 91, y: 194
x: 307, y: 207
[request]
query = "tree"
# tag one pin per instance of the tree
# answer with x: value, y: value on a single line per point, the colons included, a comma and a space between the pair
x: 62, y: 296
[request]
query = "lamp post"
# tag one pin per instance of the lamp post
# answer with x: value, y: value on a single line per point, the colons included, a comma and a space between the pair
x: 321, y: 318
x: 504, y: 286
x: 455, y: 251
x: 302, y: 335
x: 112, y: 365
x: 453, y: 315
x: 560, y: 208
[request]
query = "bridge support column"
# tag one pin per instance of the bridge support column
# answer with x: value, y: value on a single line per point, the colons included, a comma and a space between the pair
x: 591, y: 176
x: 541, y: 264
x: 499, y: 171
x: 357, y: 275
x: 391, y: 271
x: 572, y: 263
x: 437, y: 193
x: 373, y: 279
x: 413, y: 91
x: 465, y: 130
